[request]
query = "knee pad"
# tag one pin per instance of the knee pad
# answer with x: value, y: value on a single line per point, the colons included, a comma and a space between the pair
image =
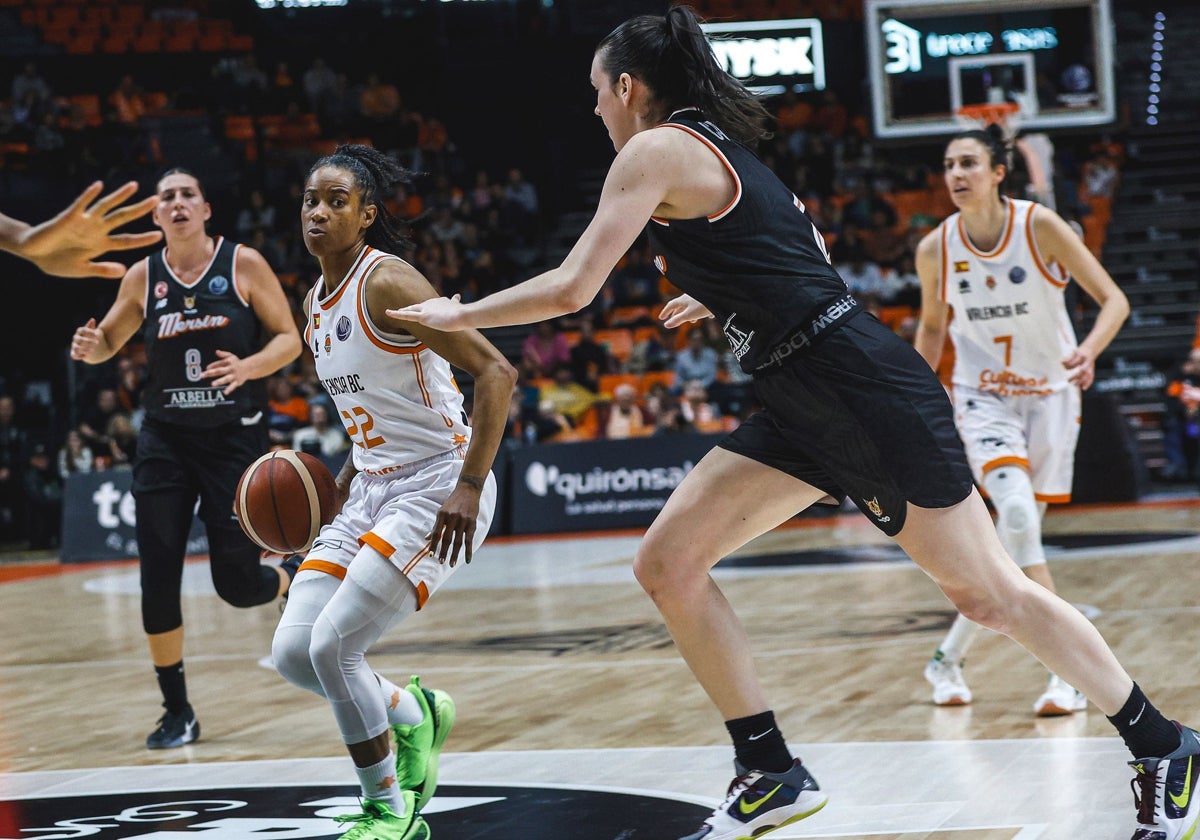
x: 291, y: 657
x: 1018, y: 514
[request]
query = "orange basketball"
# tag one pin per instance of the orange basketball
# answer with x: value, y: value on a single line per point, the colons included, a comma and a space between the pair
x: 283, y: 499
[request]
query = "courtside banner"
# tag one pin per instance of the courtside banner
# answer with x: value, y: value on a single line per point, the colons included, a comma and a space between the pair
x: 98, y: 520
x: 598, y: 485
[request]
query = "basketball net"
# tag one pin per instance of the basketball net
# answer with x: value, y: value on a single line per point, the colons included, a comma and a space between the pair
x: 1007, y: 115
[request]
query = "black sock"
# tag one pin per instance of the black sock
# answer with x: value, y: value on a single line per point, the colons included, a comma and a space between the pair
x: 173, y: 687
x: 1144, y: 729
x: 758, y: 743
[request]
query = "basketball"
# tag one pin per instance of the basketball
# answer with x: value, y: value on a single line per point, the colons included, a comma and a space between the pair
x: 283, y: 499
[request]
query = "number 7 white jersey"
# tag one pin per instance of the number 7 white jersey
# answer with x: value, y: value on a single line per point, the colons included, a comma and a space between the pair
x: 397, y: 398
x: 1010, y: 329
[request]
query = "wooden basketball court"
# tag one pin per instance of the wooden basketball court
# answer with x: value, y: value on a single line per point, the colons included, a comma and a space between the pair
x: 567, y: 684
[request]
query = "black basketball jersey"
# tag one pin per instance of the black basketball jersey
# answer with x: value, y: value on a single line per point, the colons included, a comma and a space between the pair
x: 185, y: 326
x: 759, y: 265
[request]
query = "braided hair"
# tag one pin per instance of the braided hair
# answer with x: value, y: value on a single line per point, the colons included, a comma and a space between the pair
x: 671, y: 54
x: 374, y: 173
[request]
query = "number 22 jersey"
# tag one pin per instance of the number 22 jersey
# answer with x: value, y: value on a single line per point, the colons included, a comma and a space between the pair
x: 397, y: 398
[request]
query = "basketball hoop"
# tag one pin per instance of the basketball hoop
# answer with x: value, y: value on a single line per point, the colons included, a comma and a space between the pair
x: 1004, y: 114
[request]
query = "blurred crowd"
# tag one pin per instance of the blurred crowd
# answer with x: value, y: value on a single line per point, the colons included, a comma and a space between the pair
x: 609, y: 371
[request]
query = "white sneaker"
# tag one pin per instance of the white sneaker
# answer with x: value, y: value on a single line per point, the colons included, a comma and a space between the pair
x: 1059, y: 698
x: 949, y: 687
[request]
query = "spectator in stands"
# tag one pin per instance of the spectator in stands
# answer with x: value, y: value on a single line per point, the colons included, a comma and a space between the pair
x: 696, y: 408
x: 483, y: 193
x: 48, y: 145
x: 93, y: 422
x: 568, y: 396
x: 884, y: 244
x: 74, y: 456
x: 318, y: 81
x: 337, y: 108
x: 868, y: 210
x: 544, y: 350
x: 122, y: 440
x: 44, y: 496
x: 30, y: 88
x: 286, y: 410
x: 446, y: 226
x: 250, y: 84
x: 13, y: 439
x: 626, y: 418
x: 589, y: 360
x: 696, y: 362
x: 320, y: 437
x: 256, y: 215
x: 863, y: 277
x: 379, y: 103
x: 653, y: 351
x: 636, y: 282
x: 1181, y: 420
x: 128, y: 102
x: 520, y: 205
x: 547, y: 423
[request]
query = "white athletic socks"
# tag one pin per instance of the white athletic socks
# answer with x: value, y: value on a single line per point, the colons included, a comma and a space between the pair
x: 378, y: 782
x: 402, y: 708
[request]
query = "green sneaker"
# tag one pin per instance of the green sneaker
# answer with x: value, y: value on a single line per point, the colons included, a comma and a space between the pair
x: 379, y: 822
x: 418, y: 746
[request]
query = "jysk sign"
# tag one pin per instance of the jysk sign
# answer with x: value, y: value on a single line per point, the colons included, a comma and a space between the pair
x: 771, y: 56
x: 606, y: 484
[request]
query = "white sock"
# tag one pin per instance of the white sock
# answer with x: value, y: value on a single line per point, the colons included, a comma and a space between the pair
x: 378, y: 782
x: 402, y: 708
x: 962, y: 632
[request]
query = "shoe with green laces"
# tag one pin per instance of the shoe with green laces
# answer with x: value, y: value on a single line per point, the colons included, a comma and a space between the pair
x: 379, y: 822
x: 418, y: 746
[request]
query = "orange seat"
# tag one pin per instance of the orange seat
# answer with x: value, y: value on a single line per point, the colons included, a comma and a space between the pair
x: 619, y: 342
x: 608, y: 382
x: 666, y: 377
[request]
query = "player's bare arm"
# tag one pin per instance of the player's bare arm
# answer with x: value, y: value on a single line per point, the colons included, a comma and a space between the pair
x: 258, y: 283
x: 1057, y: 242
x: 934, y: 321
x: 637, y: 186
x: 394, y: 284
x: 96, y: 343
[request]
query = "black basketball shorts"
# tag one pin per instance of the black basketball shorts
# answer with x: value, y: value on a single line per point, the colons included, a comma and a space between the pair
x: 860, y: 415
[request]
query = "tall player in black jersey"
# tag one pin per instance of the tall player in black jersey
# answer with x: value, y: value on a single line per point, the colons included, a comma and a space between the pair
x: 215, y: 322
x: 850, y: 409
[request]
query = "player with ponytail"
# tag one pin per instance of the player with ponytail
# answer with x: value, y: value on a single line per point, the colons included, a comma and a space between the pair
x: 417, y: 489
x: 851, y: 410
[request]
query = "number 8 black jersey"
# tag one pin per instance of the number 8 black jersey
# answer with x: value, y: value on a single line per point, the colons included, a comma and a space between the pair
x: 185, y: 326
x: 759, y: 265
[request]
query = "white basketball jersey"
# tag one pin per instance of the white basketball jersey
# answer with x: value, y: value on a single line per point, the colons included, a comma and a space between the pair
x: 397, y: 398
x: 1010, y: 329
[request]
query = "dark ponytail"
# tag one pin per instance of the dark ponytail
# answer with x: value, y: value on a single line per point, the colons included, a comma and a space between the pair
x: 374, y: 174
x: 672, y: 56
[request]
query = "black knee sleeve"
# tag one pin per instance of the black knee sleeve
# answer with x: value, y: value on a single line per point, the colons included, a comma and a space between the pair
x: 163, y: 521
x: 238, y: 574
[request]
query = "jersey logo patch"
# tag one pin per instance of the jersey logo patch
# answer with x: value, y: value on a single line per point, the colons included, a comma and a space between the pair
x: 961, y: 265
x: 990, y: 282
x: 660, y: 262
x: 964, y: 286
x: 1017, y: 274
x: 189, y: 303
x: 343, y: 328
x: 219, y: 285
x: 160, y: 289
x: 328, y: 344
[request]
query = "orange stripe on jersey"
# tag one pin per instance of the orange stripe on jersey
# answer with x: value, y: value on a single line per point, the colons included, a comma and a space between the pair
x: 325, y: 566
x: 945, y: 258
x: 345, y: 284
x: 1006, y: 461
x: 422, y: 594
x: 378, y: 543
x: 1053, y: 499
x: 737, y: 194
x: 999, y: 249
x: 1037, y: 256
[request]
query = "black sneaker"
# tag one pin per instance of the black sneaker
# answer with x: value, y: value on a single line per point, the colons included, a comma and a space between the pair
x: 174, y: 730
x: 1164, y: 790
x: 760, y: 802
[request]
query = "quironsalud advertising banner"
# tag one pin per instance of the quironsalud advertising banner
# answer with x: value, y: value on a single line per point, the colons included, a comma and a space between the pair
x: 599, y: 485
